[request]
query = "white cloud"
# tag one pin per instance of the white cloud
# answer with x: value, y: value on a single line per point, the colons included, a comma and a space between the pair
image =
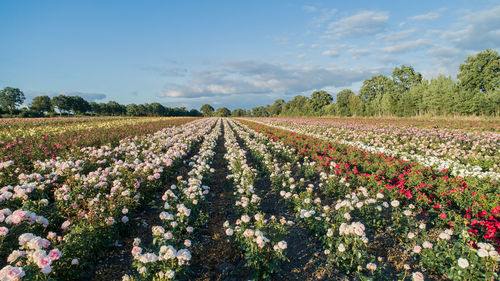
x: 427, y: 16
x: 309, y: 9
x: 356, y: 53
x: 406, y: 46
x: 331, y: 53
x: 482, y: 30
x: 360, y: 24
x: 324, y: 16
x: 396, y: 35
x: 300, y: 45
x: 256, y: 77
x: 301, y: 56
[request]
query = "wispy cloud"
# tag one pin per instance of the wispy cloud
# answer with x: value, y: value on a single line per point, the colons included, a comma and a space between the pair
x: 396, y: 35
x: 356, y: 53
x: 309, y: 9
x: 406, y: 46
x: 427, y: 16
x: 331, y: 53
x: 360, y: 24
x: 323, y: 16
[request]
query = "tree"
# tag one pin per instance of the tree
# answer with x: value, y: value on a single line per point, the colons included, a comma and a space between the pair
x: 343, y: 101
x: 223, y: 112
x: 79, y: 105
x: 260, y: 111
x: 207, y: 110
x: 10, y: 98
x: 41, y: 104
x: 276, y: 108
x: 319, y: 99
x: 298, y: 106
x: 372, y: 92
x: 375, y: 87
x: 480, y: 72
x: 405, y: 77
x: 62, y: 102
x: 238, y: 112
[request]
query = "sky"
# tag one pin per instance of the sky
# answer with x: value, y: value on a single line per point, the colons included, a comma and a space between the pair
x: 237, y: 54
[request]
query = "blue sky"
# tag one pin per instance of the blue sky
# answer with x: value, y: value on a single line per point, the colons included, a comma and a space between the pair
x: 237, y: 54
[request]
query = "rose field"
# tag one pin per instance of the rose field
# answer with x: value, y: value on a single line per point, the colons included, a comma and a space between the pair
x: 171, y: 198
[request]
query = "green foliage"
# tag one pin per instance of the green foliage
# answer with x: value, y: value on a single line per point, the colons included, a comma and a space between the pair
x: 10, y: 98
x: 207, y: 110
x: 480, y: 72
x: 41, y: 104
x: 320, y: 99
x: 223, y: 112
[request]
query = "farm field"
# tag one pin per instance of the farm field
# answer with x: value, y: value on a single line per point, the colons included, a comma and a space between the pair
x: 248, y: 199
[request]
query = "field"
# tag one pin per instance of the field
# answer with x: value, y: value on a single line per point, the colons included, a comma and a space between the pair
x: 249, y: 198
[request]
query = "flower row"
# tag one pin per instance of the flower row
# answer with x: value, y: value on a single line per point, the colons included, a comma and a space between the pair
x: 258, y: 235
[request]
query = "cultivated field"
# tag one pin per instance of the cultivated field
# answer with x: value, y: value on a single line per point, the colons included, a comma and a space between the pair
x: 249, y: 198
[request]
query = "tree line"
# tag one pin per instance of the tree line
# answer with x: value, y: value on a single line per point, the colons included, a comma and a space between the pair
x: 11, y: 98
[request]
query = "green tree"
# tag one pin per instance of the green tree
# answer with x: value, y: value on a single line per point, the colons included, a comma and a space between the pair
x: 41, y: 104
x: 372, y: 92
x: 277, y: 107
x: 343, y: 101
x: 320, y: 99
x: 298, y: 106
x: 260, y: 111
x: 63, y: 103
x: 207, y: 110
x: 438, y: 96
x: 223, y: 112
x: 79, y: 105
x: 238, y: 112
x: 10, y: 98
x: 480, y: 72
x: 405, y: 77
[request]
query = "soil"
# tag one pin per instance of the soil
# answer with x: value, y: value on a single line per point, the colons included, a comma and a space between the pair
x: 215, y: 258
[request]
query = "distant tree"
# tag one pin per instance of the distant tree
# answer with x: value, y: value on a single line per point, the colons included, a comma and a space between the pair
x: 79, y: 105
x: 372, y: 93
x: 63, y: 103
x: 207, y: 110
x: 320, y: 99
x: 41, y: 104
x: 157, y: 109
x: 375, y: 87
x: 298, y: 106
x: 343, y: 101
x: 405, y: 77
x: 238, y: 112
x: 132, y: 110
x: 276, y: 108
x: 260, y: 111
x: 10, y: 98
x: 115, y: 109
x: 355, y: 105
x: 480, y: 72
x: 223, y: 112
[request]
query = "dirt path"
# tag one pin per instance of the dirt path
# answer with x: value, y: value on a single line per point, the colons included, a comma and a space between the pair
x: 215, y: 258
